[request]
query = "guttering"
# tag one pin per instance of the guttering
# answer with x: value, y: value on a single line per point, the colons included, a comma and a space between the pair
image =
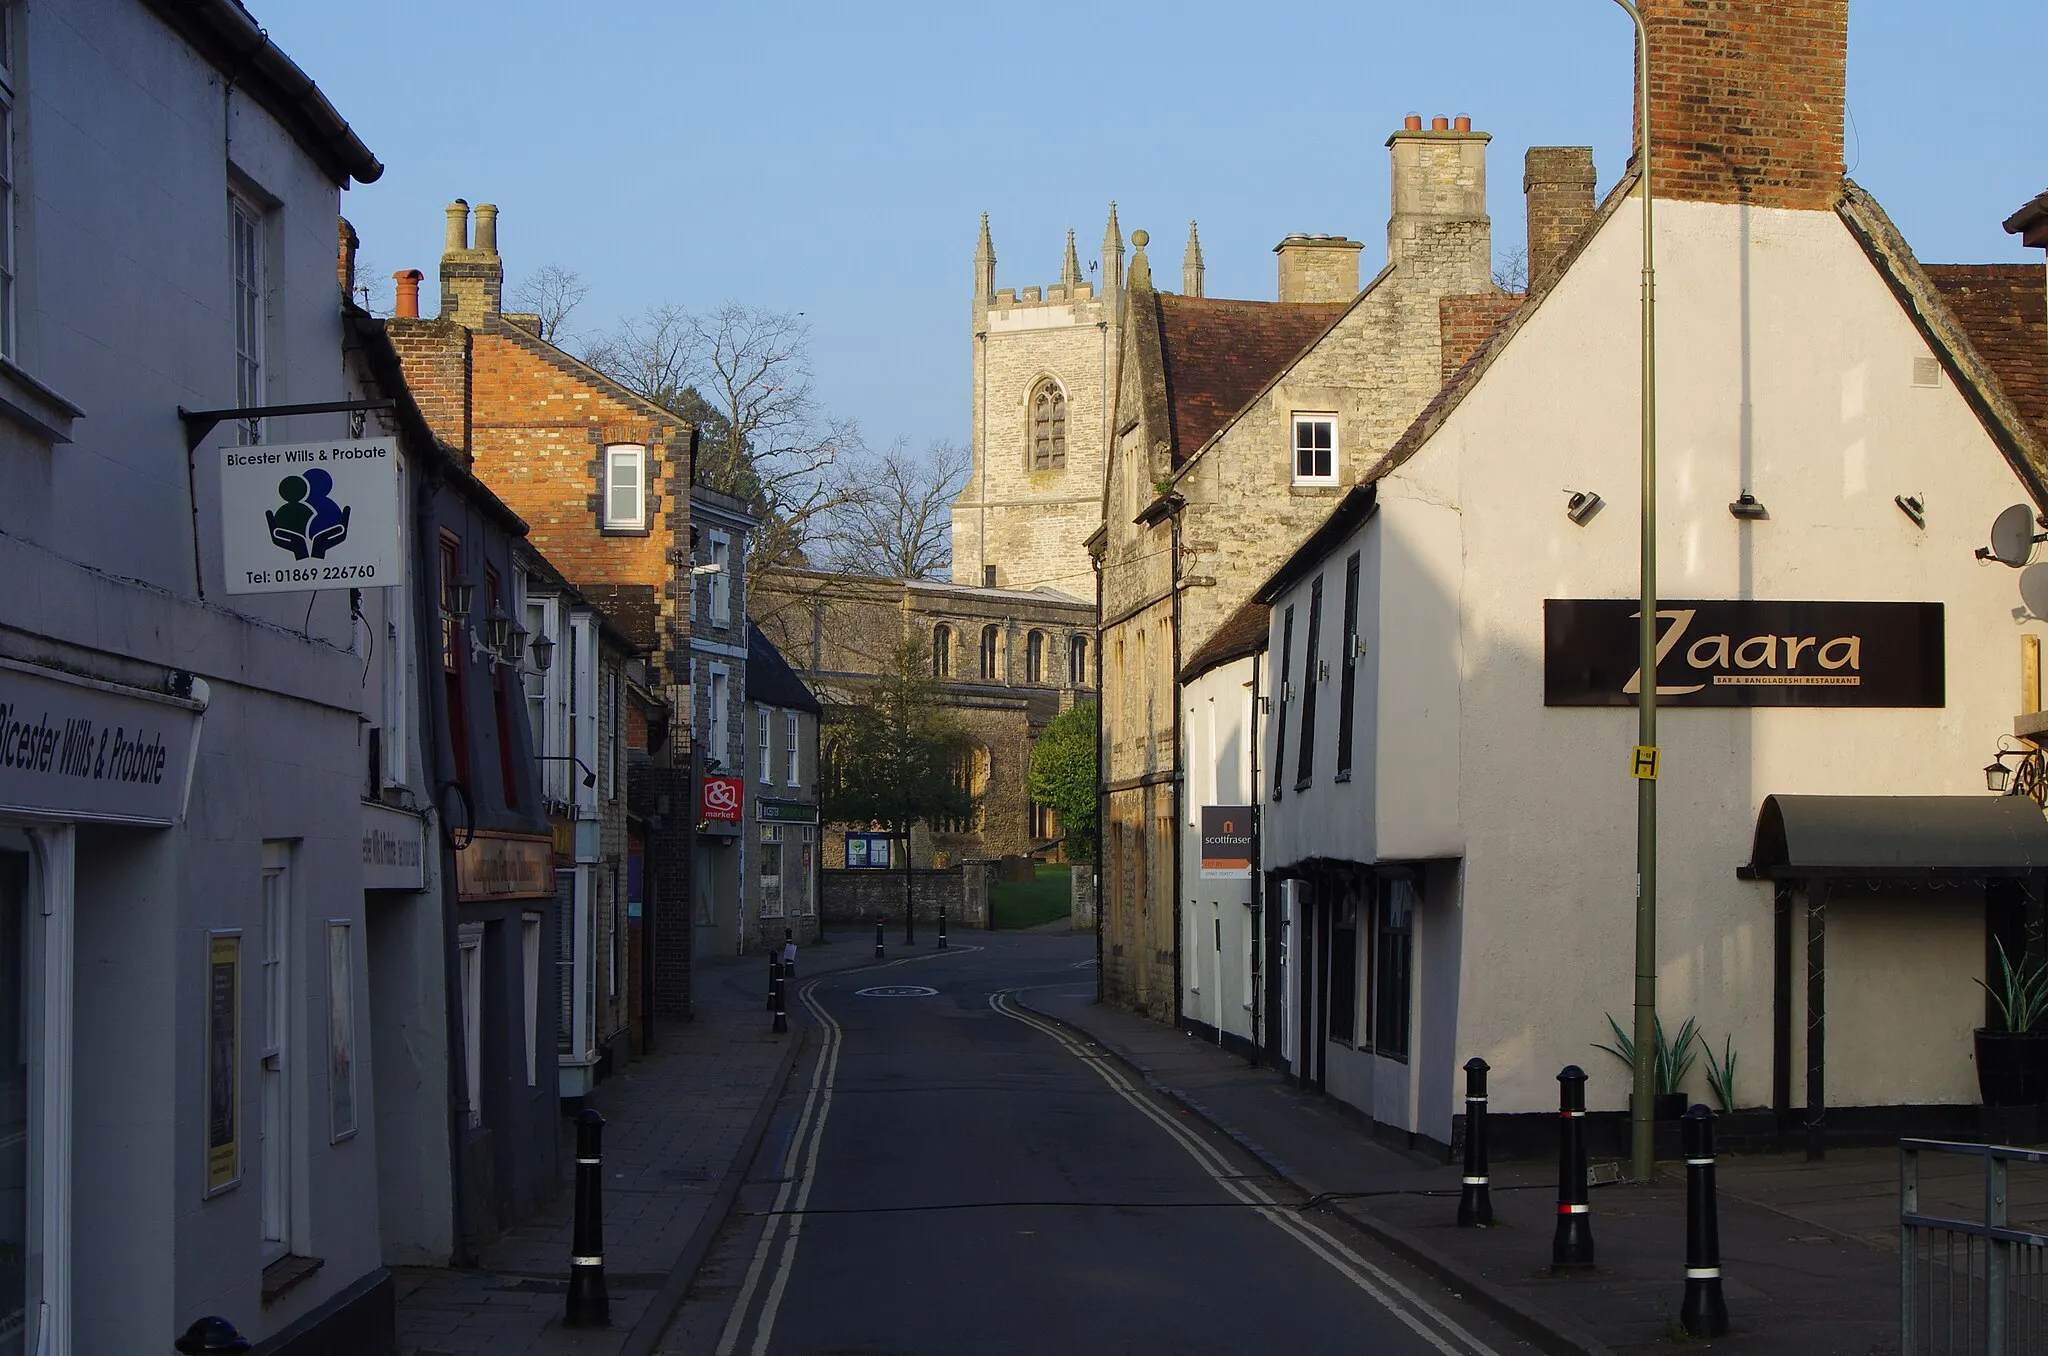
x: 225, y: 34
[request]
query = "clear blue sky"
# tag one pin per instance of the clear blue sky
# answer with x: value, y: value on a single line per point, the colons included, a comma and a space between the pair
x: 834, y: 159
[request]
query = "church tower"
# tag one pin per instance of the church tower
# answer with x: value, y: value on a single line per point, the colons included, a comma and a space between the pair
x: 1042, y: 397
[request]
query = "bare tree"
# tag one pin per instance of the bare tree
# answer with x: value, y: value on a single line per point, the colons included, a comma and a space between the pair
x: 897, y: 515
x: 551, y: 293
x: 652, y: 354
x: 373, y: 291
x: 1511, y: 270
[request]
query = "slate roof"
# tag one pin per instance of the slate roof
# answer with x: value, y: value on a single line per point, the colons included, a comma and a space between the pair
x: 771, y: 680
x: 1217, y: 355
x: 1244, y: 634
x: 2003, y: 308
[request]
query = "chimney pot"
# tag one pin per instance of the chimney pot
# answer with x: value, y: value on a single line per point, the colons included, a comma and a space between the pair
x: 1412, y: 123
x: 408, y: 280
x: 1461, y: 123
x: 1439, y: 124
x: 458, y: 226
x: 487, y: 227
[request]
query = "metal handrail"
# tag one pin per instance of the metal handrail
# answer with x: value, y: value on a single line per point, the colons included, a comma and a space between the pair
x: 1994, y: 1228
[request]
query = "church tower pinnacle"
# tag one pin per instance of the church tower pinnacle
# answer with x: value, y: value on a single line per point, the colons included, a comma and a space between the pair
x: 1112, y: 260
x: 984, y: 267
x: 1191, y: 265
x: 1070, y: 271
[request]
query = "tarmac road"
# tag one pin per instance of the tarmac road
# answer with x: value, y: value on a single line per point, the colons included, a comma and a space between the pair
x: 951, y: 1173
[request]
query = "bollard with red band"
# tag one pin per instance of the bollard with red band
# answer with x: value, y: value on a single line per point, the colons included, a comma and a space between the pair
x: 1704, y: 1311
x: 1571, y: 1248
x: 1475, y: 1202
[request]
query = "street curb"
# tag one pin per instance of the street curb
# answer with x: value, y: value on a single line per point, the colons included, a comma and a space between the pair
x: 661, y: 1310
x: 1553, y: 1333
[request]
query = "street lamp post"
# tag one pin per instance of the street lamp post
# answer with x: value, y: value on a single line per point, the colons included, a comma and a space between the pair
x: 1642, y: 1126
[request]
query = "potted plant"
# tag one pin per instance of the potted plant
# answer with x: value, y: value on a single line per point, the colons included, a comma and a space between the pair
x: 1674, y: 1059
x: 2012, y: 1057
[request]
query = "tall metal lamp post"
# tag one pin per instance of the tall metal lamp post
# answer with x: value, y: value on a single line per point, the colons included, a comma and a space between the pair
x: 1642, y: 1126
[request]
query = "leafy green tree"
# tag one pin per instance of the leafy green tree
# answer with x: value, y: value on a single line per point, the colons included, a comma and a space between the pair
x: 894, y: 751
x: 1063, y: 776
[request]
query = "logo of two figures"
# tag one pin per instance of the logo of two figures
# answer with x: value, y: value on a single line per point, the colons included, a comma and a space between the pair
x: 308, y: 522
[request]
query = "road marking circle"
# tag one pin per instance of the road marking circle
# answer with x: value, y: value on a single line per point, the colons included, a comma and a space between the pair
x: 897, y: 991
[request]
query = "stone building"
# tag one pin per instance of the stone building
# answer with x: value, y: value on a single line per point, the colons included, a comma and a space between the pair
x: 1238, y: 425
x: 1044, y: 359
x: 601, y: 477
x: 1008, y: 661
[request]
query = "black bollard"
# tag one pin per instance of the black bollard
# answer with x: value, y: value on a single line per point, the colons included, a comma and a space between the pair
x: 1572, y: 1247
x: 1704, y: 1312
x: 589, y: 1305
x: 774, y: 971
x: 942, y: 927
x: 878, y: 939
x: 781, y: 1004
x: 1475, y: 1202
x: 210, y: 1334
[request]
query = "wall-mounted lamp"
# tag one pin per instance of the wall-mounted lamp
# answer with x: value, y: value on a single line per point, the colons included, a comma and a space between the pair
x: 713, y: 568
x: 515, y: 647
x: 543, y: 650
x: 2028, y: 778
x: 589, y: 777
x: 1749, y: 508
x: 1582, y: 505
x: 1914, y: 506
x: 498, y: 630
x: 465, y: 597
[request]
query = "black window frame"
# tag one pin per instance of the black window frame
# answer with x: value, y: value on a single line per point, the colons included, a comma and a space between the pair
x: 1348, y: 692
x: 1311, y: 653
x: 1280, y: 718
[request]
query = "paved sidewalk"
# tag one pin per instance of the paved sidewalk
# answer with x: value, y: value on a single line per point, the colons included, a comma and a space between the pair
x: 679, y: 1125
x: 1809, y: 1251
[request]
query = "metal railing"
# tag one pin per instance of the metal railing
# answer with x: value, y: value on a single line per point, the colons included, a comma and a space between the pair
x: 1970, y: 1287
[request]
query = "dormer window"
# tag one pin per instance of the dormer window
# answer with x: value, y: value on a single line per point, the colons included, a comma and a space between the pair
x: 1048, y: 427
x: 1315, y: 449
x: 625, y: 486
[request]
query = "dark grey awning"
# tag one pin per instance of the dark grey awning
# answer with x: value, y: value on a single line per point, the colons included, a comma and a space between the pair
x: 1898, y: 836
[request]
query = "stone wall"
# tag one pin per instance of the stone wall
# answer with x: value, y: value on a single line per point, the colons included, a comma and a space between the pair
x: 853, y: 898
x: 1084, y: 896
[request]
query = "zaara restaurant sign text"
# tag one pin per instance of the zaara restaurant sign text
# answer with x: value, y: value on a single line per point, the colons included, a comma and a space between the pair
x: 299, y: 516
x: 1727, y: 652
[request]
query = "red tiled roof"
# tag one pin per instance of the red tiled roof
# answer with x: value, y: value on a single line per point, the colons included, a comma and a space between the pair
x: 2003, y: 308
x: 1219, y: 354
x: 1244, y: 634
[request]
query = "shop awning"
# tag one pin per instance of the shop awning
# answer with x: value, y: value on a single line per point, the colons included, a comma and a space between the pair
x: 1803, y: 837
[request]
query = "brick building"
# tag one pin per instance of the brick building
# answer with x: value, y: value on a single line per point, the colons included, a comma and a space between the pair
x: 600, y: 475
x: 1238, y: 423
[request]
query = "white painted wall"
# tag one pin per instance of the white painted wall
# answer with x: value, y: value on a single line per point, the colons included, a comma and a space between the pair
x: 1219, y: 928
x: 1785, y: 368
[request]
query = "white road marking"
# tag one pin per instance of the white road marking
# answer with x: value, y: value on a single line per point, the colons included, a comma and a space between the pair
x: 1375, y: 1281
x: 785, y: 1223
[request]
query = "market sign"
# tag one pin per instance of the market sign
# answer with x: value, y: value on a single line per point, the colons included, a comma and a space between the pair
x: 721, y: 801
x: 1226, y: 842
x: 1728, y: 652
x: 506, y: 866
x: 302, y: 516
x: 394, y: 855
x: 73, y: 748
x: 784, y: 811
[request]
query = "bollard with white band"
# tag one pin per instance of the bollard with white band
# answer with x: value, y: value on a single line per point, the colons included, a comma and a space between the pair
x: 781, y: 1003
x: 1571, y: 1248
x: 878, y: 939
x: 942, y: 927
x: 774, y: 971
x: 1475, y: 1202
x: 589, y: 1305
x: 1704, y: 1311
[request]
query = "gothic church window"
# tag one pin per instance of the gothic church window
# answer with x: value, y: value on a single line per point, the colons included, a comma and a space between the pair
x: 1048, y: 427
x: 990, y: 640
x: 942, y: 651
x: 1034, y: 657
x: 1077, y: 662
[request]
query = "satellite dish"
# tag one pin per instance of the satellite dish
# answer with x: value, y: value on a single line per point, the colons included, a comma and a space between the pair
x: 2012, y: 536
x: 2034, y: 589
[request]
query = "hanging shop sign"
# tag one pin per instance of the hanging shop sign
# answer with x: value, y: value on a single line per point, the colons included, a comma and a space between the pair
x: 1727, y: 652
x: 505, y: 866
x: 73, y: 748
x: 784, y: 811
x: 301, y: 516
x: 394, y: 853
x: 1226, y: 842
x: 720, y: 803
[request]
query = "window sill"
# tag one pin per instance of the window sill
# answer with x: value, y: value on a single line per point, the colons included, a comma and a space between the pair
x: 608, y: 530
x: 1343, y: 776
x: 35, y: 406
x: 1303, y: 785
x: 286, y: 1272
x: 1314, y: 487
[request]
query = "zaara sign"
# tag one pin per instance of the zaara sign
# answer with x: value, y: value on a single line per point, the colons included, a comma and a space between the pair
x: 305, y: 516
x: 1726, y: 652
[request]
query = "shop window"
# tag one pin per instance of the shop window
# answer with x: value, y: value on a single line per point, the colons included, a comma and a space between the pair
x: 771, y: 871
x: 1311, y: 685
x: 1342, y: 981
x: 1286, y: 689
x: 1347, y: 694
x: 1393, y: 966
x: 1034, y: 657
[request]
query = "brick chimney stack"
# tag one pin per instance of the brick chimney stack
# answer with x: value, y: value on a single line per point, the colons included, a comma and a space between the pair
x: 1439, y: 232
x: 345, y: 258
x: 472, y: 280
x: 1746, y: 100
x: 1557, y: 185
